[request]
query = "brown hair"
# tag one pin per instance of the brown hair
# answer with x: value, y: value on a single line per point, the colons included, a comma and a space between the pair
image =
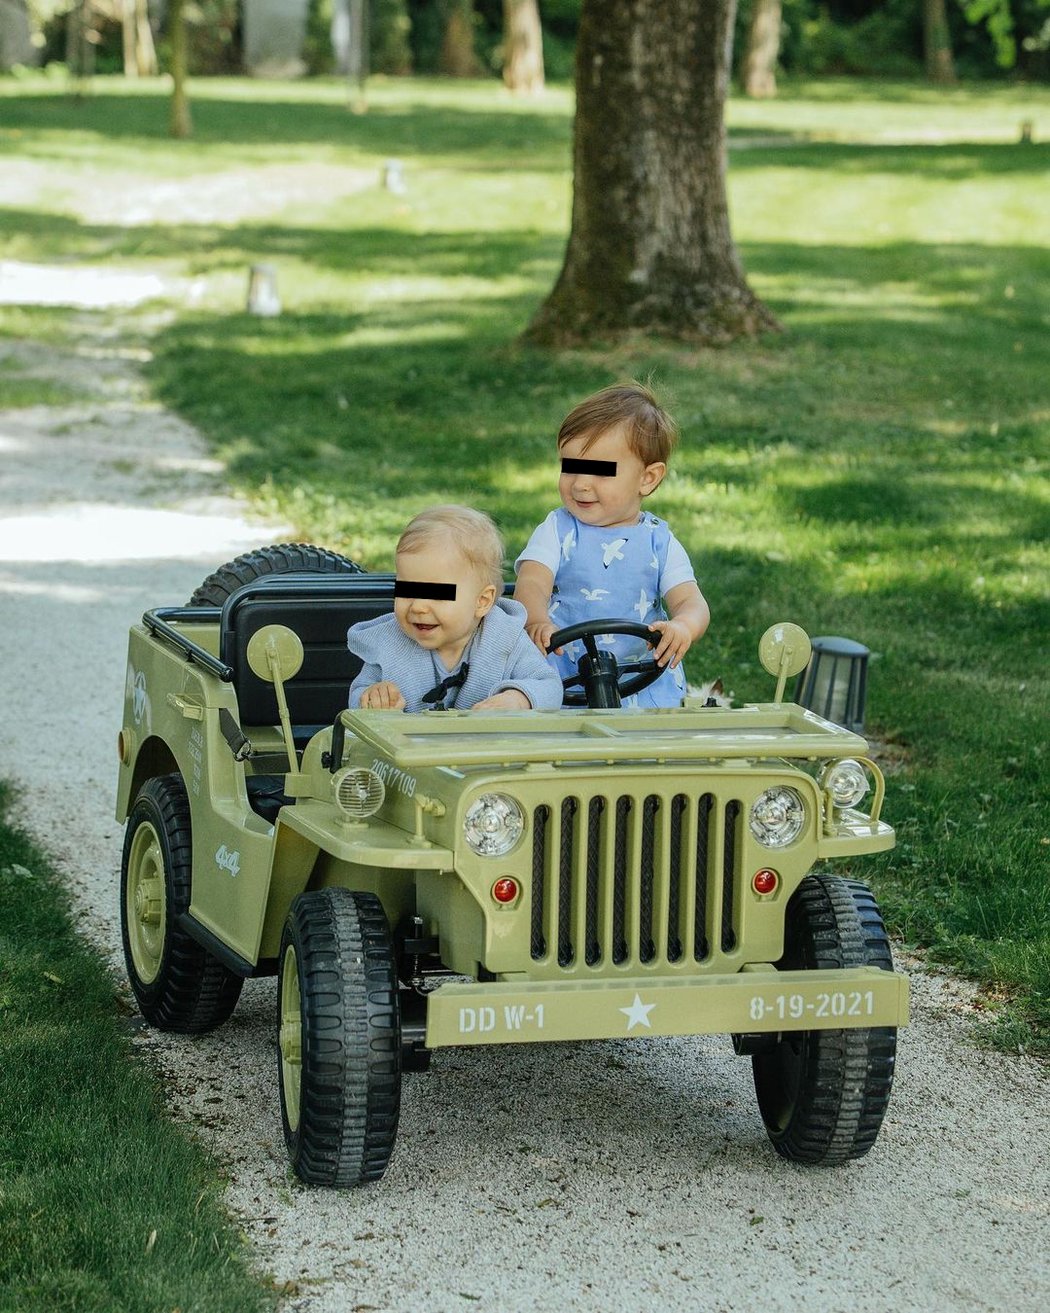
x: 472, y: 532
x: 651, y: 432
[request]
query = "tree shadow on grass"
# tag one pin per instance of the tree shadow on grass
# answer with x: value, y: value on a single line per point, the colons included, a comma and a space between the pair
x: 953, y: 161
x: 536, y: 140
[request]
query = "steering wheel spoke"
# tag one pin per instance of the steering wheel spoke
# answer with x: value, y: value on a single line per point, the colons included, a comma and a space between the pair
x: 640, y: 674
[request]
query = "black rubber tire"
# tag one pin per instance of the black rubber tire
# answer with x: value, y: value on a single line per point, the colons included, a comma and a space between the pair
x: 349, y: 1085
x: 191, y: 991
x: 823, y: 1093
x: 281, y: 558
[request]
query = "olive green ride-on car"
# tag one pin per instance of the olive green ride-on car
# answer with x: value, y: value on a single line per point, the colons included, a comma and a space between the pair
x: 417, y: 882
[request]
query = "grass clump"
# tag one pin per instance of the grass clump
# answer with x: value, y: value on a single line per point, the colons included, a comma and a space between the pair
x: 104, y: 1204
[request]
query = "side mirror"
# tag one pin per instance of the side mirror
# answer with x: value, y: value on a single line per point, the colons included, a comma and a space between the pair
x: 784, y: 650
x: 275, y: 654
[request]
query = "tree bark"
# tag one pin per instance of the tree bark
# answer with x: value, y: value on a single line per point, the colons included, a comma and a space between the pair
x: 522, y: 46
x: 140, y: 56
x: 457, y: 57
x: 80, y: 50
x: 16, y: 46
x: 759, y: 71
x: 181, y: 123
x: 940, y: 65
x: 650, y: 247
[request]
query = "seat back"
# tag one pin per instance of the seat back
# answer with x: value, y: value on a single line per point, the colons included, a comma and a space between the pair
x: 319, y: 608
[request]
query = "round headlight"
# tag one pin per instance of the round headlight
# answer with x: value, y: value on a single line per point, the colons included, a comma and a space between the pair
x: 846, y: 781
x: 777, y: 817
x: 493, y: 824
x: 358, y: 792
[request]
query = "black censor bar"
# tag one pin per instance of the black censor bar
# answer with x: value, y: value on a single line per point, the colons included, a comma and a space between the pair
x: 433, y: 592
x: 606, y: 468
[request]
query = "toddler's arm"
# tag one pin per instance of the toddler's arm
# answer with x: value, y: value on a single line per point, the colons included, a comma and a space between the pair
x: 690, y: 616
x: 509, y: 699
x: 533, y: 590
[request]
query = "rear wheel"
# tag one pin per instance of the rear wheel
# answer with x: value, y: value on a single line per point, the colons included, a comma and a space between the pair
x: 823, y: 1093
x: 339, y: 1040
x: 178, y: 984
x: 281, y: 558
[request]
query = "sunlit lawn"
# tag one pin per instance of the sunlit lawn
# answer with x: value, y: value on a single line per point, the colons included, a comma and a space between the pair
x: 879, y: 470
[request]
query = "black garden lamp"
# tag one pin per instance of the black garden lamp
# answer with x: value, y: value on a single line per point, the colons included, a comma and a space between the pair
x: 835, y: 682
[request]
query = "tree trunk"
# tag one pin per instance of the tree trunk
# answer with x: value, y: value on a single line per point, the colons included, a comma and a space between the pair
x: 759, y: 71
x: 457, y: 57
x: 522, y: 46
x: 16, y: 46
x: 140, y: 56
x: 940, y: 65
x: 80, y: 49
x: 650, y: 247
x: 181, y: 124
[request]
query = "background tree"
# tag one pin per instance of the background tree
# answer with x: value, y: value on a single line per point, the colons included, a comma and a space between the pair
x: 181, y: 125
x: 16, y: 46
x: 758, y: 72
x: 457, y: 57
x: 650, y: 246
x: 522, y: 46
x: 81, y: 39
x: 140, y: 56
x: 937, y: 42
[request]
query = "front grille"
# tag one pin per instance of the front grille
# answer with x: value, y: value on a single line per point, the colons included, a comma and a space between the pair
x: 634, y: 879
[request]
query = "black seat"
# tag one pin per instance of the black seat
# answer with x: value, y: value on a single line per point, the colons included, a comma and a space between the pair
x: 319, y: 608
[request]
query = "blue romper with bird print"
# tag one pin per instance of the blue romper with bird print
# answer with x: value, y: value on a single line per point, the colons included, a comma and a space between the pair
x: 617, y: 573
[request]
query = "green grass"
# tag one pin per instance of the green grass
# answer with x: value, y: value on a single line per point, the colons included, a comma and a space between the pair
x: 104, y: 1205
x: 879, y: 470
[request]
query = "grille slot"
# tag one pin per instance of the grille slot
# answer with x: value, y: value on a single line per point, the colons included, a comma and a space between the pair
x: 540, y: 821
x: 644, y: 879
x: 728, y: 866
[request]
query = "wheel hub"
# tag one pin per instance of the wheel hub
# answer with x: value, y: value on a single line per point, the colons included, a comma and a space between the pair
x: 149, y: 901
x: 292, y: 1042
x: 144, y: 903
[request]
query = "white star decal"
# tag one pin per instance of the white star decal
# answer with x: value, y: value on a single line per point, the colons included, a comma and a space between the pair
x: 638, y: 1013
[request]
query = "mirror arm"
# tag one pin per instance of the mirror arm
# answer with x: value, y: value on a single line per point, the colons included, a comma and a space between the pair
x: 282, y: 706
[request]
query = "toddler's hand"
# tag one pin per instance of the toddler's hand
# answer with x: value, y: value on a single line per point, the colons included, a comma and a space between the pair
x: 383, y: 696
x: 675, y: 641
x: 540, y: 632
x: 511, y: 699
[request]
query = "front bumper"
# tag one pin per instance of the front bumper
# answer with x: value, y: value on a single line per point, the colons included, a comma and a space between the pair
x: 753, y: 1000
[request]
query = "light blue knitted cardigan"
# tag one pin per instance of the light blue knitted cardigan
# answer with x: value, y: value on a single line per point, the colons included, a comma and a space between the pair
x: 501, y: 655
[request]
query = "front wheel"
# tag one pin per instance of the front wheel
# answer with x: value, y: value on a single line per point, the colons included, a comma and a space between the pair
x: 178, y: 985
x: 823, y: 1093
x: 339, y: 1040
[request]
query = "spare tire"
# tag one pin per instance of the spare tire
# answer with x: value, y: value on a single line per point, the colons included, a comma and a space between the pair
x: 281, y: 558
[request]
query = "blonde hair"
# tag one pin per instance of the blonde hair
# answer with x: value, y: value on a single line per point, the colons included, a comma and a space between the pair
x: 650, y: 431
x: 471, y: 532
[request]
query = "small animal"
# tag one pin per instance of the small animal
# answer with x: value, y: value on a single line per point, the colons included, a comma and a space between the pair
x: 712, y: 693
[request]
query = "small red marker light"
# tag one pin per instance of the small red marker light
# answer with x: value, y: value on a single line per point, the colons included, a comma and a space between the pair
x: 505, y: 890
x: 765, y: 881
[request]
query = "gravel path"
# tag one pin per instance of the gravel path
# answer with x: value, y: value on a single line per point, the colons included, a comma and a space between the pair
x: 578, y: 1177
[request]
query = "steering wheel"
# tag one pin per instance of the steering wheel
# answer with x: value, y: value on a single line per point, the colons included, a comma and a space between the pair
x: 600, y: 674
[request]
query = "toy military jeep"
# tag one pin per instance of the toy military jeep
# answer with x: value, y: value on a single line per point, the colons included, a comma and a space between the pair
x: 455, y: 877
